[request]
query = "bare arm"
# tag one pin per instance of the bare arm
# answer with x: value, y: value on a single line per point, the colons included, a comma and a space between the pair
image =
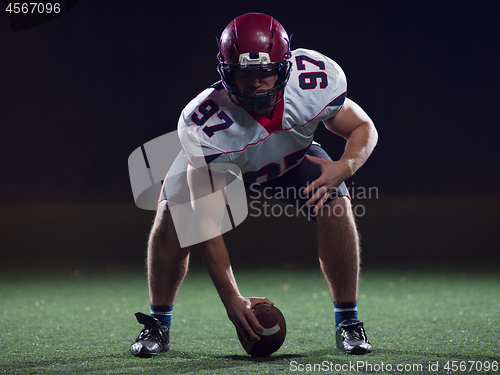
x: 353, y: 124
x: 216, y: 258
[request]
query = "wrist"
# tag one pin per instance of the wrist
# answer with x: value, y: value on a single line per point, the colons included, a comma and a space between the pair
x: 229, y: 298
x: 347, y: 168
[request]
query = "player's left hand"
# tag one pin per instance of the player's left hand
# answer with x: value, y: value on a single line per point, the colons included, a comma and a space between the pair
x: 333, y: 173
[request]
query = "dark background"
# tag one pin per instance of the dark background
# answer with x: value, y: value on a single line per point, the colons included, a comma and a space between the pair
x: 79, y: 93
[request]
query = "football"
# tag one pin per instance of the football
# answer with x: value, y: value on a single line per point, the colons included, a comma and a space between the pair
x: 274, y: 332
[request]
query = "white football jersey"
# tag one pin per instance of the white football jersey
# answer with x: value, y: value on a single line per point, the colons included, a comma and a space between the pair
x: 213, y: 129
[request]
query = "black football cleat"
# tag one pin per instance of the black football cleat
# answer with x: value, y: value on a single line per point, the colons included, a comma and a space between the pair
x: 153, y: 339
x: 351, y: 337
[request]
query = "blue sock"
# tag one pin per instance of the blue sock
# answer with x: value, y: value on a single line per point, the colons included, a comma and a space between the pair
x: 162, y: 313
x: 345, y: 310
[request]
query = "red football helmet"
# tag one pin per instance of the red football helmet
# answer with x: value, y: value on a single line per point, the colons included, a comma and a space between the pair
x: 254, y: 41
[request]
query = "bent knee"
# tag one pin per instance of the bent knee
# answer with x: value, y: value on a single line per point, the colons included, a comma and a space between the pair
x: 163, y: 228
x: 163, y: 217
x: 339, y: 208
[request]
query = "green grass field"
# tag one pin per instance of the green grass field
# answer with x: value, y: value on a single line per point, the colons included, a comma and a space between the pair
x: 81, y: 322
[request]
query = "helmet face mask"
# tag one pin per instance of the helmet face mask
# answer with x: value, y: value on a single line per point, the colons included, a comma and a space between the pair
x: 255, y: 100
x: 254, y: 42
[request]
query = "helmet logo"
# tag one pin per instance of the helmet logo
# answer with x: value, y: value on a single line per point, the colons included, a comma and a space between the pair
x: 257, y: 59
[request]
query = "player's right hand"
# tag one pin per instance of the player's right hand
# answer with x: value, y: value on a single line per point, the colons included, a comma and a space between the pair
x: 239, y: 311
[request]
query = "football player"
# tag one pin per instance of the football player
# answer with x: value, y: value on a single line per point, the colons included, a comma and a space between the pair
x: 261, y: 118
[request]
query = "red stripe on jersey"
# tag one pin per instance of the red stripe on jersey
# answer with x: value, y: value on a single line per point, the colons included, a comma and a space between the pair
x: 275, y: 123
